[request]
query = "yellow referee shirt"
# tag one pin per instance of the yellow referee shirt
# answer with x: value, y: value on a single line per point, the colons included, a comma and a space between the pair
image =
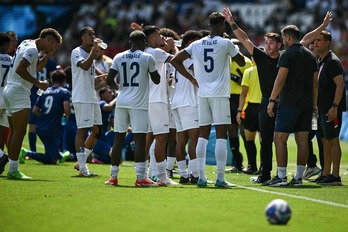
x: 235, y: 69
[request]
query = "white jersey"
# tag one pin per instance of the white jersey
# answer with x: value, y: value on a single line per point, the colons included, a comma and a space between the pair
x: 185, y: 92
x: 211, y: 64
x: 5, y: 64
x: 82, y: 81
x: 103, y: 65
x: 133, y: 68
x: 159, y: 93
x: 26, y: 50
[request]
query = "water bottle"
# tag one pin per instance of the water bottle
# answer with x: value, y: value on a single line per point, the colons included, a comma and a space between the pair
x: 314, y: 122
x: 39, y: 92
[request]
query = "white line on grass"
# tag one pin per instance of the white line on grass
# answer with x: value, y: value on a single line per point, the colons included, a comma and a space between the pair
x: 295, y: 196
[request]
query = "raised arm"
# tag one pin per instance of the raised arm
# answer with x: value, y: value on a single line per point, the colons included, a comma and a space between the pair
x: 310, y: 36
x: 239, y: 33
x: 177, y: 63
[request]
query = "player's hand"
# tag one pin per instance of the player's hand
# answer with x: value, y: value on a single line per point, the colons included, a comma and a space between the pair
x: 136, y: 26
x: 327, y: 19
x: 43, y: 85
x: 238, y: 118
x: 53, y: 49
x: 194, y: 82
x: 228, y: 15
x: 270, y: 109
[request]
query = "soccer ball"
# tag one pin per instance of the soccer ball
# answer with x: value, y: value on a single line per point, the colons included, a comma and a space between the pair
x: 278, y: 211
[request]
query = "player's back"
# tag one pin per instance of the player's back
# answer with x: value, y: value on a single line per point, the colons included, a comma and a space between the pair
x: 5, y: 64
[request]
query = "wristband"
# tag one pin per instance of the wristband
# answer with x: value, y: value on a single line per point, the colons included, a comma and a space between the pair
x: 271, y: 100
x: 234, y: 26
x: 334, y: 105
x: 239, y: 111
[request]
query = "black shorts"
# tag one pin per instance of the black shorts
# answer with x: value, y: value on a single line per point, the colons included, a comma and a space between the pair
x: 329, y: 129
x: 234, y: 103
x: 251, y: 120
x: 291, y: 119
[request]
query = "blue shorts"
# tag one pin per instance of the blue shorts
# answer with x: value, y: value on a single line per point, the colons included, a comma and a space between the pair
x: 291, y: 119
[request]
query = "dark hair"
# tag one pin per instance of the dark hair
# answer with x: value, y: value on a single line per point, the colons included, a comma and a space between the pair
x: 166, y: 32
x: 292, y: 31
x: 84, y: 29
x: 103, y: 90
x: 191, y: 35
x: 274, y: 36
x: 137, y: 36
x: 326, y: 35
x: 51, y: 32
x: 58, y: 76
x: 68, y: 75
x: 4, y: 38
x: 216, y: 18
x: 11, y: 33
x: 204, y: 32
x: 150, y: 29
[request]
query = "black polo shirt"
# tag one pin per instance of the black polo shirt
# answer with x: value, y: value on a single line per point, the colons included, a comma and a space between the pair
x: 329, y: 68
x: 267, y: 70
x: 298, y: 89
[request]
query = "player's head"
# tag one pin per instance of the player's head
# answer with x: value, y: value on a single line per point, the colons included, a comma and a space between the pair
x: 106, y: 94
x: 52, y: 34
x: 153, y: 36
x: 5, y: 41
x: 137, y: 39
x: 273, y: 43
x: 290, y: 33
x: 58, y: 77
x: 87, y: 35
x: 14, y: 42
x: 217, y: 22
x: 190, y: 36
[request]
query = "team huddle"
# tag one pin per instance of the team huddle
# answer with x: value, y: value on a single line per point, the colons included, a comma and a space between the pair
x: 171, y: 98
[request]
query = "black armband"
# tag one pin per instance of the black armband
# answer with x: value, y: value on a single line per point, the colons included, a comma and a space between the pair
x: 234, y: 26
x: 271, y: 100
x: 236, y: 78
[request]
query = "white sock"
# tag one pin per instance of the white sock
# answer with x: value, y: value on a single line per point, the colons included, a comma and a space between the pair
x: 201, y: 151
x: 153, y: 166
x: 299, y: 171
x: 189, y: 168
x: 194, y: 167
x: 146, y: 168
x: 87, y: 153
x: 281, y: 172
x: 221, y: 156
x: 161, y: 168
x: 114, y: 171
x: 12, y: 165
x: 140, y: 170
x: 170, y: 163
x: 182, y: 168
x: 1, y: 152
x: 81, y: 159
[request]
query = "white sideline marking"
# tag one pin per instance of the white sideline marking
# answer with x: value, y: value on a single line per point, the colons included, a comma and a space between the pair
x: 295, y: 196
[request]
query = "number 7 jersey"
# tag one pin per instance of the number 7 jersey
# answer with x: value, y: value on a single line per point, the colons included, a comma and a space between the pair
x: 211, y: 65
x: 133, y: 68
x: 5, y: 65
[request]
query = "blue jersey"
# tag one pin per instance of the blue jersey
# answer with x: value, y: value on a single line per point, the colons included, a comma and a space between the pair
x: 106, y: 116
x: 52, y: 109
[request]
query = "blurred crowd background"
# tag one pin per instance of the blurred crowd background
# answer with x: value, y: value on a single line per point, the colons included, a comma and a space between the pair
x: 111, y: 19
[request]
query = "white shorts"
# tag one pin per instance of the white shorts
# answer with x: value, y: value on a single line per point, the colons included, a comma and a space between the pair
x: 172, y: 124
x: 136, y: 118
x: 16, y: 99
x: 186, y: 118
x: 87, y: 114
x: 158, y: 118
x: 214, y: 111
x: 3, y: 118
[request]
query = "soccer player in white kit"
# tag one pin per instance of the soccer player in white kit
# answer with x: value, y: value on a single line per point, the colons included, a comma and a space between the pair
x: 5, y: 64
x: 84, y: 98
x: 211, y: 56
x: 134, y: 67
x: 158, y: 101
x: 21, y: 77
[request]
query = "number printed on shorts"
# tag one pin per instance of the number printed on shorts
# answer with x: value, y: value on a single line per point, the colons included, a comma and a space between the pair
x: 134, y: 68
x: 208, y: 59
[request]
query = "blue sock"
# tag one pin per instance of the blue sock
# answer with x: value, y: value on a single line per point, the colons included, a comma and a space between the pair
x: 32, y: 141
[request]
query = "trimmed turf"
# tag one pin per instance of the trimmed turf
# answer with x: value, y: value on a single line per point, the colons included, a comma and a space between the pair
x: 58, y: 200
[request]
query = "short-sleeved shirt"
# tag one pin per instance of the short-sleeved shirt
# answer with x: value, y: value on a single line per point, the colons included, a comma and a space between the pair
x: 329, y: 68
x: 5, y: 64
x: 82, y: 81
x: 133, y: 68
x: 235, y: 69
x: 185, y: 92
x: 298, y: 88
x: 159, y: 93
x: 26, y: 50
x: 267, y: 70
x: 211, y: 63
x: 251, y: 80
x: 52, y: 110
